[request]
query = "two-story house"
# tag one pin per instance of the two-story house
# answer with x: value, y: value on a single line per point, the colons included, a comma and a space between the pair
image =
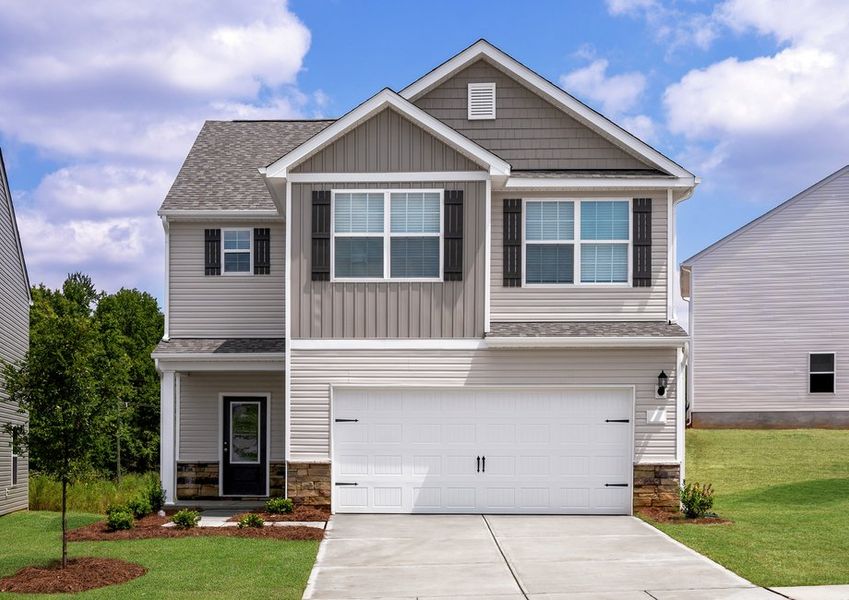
x: 454, y: 298
x: 14, y: 341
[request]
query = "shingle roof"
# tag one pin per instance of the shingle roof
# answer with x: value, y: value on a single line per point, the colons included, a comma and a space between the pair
x: 587, y: 329
x: 220, y: 171
x: 221, y: 346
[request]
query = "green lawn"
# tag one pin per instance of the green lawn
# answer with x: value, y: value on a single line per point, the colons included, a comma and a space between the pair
x: 206, y: 567
x: 788, y: 495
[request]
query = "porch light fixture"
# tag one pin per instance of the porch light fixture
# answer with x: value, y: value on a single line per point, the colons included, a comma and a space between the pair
x: 662, y: 381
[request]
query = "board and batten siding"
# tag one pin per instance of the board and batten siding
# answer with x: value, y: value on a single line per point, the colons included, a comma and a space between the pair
x: 385, y: 143
x: 528, y: 132
x: 221, y: 306
x: 315, y: 371
x: 200, y: 413
x: 766, y: 298
x: 580, y: 302
x: 450, y: 309
x: 14, y: 341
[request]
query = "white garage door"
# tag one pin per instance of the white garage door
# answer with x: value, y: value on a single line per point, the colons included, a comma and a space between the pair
x: 566, y: 451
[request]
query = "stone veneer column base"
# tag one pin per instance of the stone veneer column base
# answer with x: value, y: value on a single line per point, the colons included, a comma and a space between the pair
x: 657, y: 486
x: 309, y: 483
x: 197, y: 480
x: 277, y: 479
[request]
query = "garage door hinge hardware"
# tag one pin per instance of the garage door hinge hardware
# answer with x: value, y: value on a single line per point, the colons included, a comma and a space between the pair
x: 617, y: 420
x: 347, y: 420
x: 344, y: 483
x: 613, y: 485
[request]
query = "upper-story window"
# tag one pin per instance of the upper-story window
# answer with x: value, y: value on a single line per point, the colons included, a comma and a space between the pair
x: 590, y: 237
x: 237, y: 251
x: 387, y: 235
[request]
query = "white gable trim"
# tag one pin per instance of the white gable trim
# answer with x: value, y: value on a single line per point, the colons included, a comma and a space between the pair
x: 4, y: 181
x: 764, y: 217
x: 550, y: 92
x: 383, y: 99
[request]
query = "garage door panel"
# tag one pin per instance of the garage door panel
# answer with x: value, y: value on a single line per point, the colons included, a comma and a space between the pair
x: 546, y: 451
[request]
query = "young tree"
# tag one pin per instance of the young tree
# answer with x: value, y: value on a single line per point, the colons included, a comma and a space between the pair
x: 58, y: 386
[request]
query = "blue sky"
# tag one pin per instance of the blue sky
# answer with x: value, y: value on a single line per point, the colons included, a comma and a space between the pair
x: 99, y: 105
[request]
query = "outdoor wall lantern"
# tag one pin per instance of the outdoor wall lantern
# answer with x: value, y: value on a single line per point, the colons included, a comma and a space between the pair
x: 662, y: 381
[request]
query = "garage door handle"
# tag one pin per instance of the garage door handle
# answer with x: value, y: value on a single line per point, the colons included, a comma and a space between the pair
x: 344, y: 483
x: 484, y: 464
x: 479, y: 464
x: 347, y: 420
x: 617, y: 420
x: 615, y: 485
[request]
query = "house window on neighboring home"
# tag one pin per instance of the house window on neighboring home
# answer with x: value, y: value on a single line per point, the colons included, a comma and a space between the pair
x: 237, y: 251
x: 592, y: 236
x: 821, y: 373
x: 383, y: 235
x: 549, y: 242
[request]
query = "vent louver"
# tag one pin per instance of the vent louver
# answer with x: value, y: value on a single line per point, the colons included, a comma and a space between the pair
x: 481, y: 101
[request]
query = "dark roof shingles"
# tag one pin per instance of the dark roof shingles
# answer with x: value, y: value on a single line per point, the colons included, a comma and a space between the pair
x: 586, y: 329
x: 221, y: 169
x: 221, y: 346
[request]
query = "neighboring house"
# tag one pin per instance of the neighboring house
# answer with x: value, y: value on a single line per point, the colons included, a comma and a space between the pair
x: 768, y: 309
x: 455, y: 298
x: 14, y: 341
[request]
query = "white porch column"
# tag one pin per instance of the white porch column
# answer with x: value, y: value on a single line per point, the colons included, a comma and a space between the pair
x: 167, y: 438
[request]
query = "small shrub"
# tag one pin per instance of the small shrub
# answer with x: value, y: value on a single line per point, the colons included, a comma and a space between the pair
x: 119, y: 518
x: 279, y: 506
x: 696, y: 499
x: 155, y: 495
x: 251, y: 520
x: 139, y: 506
x: 186, y: 519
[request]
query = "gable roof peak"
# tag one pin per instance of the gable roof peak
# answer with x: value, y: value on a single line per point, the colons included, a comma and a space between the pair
x: 7, y: 192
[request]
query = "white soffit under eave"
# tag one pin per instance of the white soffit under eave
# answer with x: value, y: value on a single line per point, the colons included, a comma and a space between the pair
x: 550, y: 92
x: 384, y: 99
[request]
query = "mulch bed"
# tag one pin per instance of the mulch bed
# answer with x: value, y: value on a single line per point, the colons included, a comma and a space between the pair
x: 151, y: 527
x: 301, y: 513
x: 662, y: 516
x: 81, y: 574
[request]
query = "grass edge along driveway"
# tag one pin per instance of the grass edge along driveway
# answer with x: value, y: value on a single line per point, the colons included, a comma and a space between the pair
x: 202, y: 567
x: 787, y: 492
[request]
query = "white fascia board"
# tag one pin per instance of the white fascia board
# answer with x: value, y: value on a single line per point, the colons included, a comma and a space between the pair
x: 390, y: 344
x: 372, y: 106
x: 597, y: 183
x: 187, y: 362
x: 388, y: 177
x: 549, y: 91
x: 586, y: 342
x: 212, y: 215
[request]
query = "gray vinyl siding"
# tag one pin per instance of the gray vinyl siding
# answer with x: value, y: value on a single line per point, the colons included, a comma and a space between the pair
x: 766, y: 298
x: 200, y: 413
x: 387, y: 142
x: 528, y: 131
x: 581, y: 302
x: 14, y: 340
x: 451, y: 309
x: 315, y: 371
x: 222, y: 306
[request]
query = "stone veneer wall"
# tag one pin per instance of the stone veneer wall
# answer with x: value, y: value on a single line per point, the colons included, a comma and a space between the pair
x: 197, y: 480
x: 309, y: 483
x: 657, y: 486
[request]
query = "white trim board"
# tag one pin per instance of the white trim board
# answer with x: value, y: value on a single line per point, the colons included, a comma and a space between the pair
x: 212, y: 215
x: 598, y: 183
x: 586, y: 342
x: 393, y: 177
x: 550, y: 92
x: 386, y: 98
x: 389, y: 344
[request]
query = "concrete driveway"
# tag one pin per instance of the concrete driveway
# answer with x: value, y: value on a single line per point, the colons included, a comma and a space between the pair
x: 467, y: 557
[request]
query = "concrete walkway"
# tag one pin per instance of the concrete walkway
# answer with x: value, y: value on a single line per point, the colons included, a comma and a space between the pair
x: 815, y: 592
x: 467, y: 557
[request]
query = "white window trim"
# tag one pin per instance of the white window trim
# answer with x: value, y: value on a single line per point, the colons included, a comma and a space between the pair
x: 480, y: 86
x: 833, y: 373
x: 387, y: 235
x: 250, y: 252
x: 577, y: 242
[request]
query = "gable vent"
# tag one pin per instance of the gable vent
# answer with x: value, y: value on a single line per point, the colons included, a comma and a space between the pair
x: 481, y: 101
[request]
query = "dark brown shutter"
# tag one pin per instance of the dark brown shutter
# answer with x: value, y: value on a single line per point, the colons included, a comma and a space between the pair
x: 641, y: 274
x: 321, y: 236
x: 212, y: 251
x: 452, y: 231
x: 512, y: 267
x: 262, y: 251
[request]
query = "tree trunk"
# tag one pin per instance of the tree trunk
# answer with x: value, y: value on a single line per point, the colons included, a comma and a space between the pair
x: 64, y: 523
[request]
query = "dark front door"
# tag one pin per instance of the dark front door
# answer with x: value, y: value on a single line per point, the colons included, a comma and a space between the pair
x: 244, y: 446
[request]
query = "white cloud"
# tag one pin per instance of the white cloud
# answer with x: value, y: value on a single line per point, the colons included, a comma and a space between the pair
x: 669, y: 24
x: 115, y: 91
x: 641, y: 126
x: 615, y: 93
